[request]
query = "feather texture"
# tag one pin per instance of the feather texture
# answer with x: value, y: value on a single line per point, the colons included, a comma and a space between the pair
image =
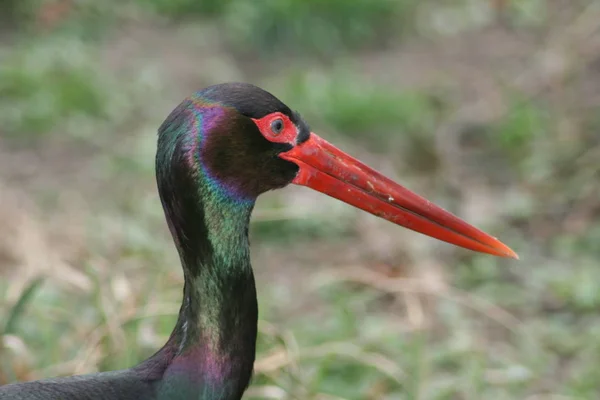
x: 211, y: 164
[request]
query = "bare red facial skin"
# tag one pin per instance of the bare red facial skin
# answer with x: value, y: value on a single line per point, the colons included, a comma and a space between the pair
x: 287, y: 135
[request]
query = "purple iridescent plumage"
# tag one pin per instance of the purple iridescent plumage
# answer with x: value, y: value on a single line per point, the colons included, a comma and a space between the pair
x: 206, y: 118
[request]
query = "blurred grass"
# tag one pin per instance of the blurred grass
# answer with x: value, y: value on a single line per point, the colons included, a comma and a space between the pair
x: 297, y: 27
x: 341, y: 101
x: 45, y: 84
x: 186, y: 8
x: 292, y: 27
x: 345, y: 312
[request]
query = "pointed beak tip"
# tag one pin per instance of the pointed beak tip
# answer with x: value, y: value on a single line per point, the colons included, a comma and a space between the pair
x: 507, y: 252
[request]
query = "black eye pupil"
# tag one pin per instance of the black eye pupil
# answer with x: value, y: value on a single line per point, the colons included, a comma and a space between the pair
x: 277, y: 126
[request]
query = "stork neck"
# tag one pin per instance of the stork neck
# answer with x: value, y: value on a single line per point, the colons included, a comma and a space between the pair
x: 213, y: 343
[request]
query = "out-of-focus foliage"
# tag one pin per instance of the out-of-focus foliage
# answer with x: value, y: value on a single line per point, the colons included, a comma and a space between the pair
x: 288, y: 27
x: 46, y: 84
x: 352, y: 107
x: 186, y: 8
x: 488, y: 107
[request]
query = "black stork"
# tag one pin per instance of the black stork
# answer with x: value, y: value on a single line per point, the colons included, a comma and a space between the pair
x: 217, y: 152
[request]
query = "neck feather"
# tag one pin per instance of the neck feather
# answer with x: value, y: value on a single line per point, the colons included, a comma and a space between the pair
x: 211, y: 351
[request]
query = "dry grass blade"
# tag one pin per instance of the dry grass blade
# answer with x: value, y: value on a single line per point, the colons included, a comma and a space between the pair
x: 266, y: 392
x: 323, y: 396
x: 403, y: 285
x: 553, y: 396
x: 17, y: 310
x: 289, y: 342
x: 281, y: 358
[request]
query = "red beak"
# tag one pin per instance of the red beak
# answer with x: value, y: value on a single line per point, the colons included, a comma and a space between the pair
x: 329, y: 170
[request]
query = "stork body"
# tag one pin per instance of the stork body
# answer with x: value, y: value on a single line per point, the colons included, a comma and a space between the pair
x: 217, y: 152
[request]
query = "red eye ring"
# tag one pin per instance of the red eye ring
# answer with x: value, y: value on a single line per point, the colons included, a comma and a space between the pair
x: 277, y: 128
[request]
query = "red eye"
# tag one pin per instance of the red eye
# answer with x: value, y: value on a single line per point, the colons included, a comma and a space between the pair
x: 277, y: 126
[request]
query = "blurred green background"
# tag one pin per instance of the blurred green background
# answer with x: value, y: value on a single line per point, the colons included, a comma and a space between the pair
x: 490, y: 108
